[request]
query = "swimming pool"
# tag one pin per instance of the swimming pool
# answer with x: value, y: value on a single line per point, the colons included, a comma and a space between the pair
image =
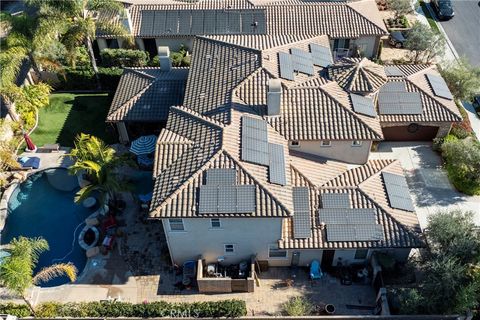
x: 43, y: 206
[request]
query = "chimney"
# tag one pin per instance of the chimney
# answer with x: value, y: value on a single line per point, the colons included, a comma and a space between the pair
x: 274, y: 97
x: 164, y: 57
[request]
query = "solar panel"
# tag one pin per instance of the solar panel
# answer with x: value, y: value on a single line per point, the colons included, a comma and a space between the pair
x: 366, y: 232
x: 286, y: 66
x: 171, y: 22
x: 234, y: 23
x: 259, y: 21
x: 197, y: 22
x: 147, y: 22
x: 352, y: 216
x: 394, y: 86
x: 276, y: 169
x: 247, y: 22
x: 399, y: 103
x: 185, y: 17
x: 439, y: 86
x: 227, y: 199
x: 255, y: 141
x: 159, y: 24
x: 209, y: 22
x: 393, y: 71
x: 335, y: 200
x: 220, y: 176
x: 397, y: 191
x: 221, y: 22
x: 302, y: 225
x: 321, y: 55
x: 208, y: 199
x: 246, y: 199
x: 363, y: 105
x: 302, y: 61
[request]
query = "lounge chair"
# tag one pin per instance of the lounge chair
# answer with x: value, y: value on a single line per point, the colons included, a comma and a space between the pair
x: 315, y: 271
x: 54, y: 147
x: 29, y: 162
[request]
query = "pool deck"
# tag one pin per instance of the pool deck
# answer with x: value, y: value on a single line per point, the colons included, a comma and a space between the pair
x: 51, y: 159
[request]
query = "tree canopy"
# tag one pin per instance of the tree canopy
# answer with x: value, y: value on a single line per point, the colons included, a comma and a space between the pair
x: 424, y: 43
x: 462, y: 79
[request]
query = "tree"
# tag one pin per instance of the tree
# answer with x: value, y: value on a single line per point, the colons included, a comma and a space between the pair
x: 81, y: 23
x: 424, y: 43
x: 399, y: 7
x: 100, y: 163
x: 17, y: 269
x: 462, y: 79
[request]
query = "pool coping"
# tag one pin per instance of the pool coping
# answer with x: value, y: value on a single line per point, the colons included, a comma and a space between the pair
x: 4, y: 215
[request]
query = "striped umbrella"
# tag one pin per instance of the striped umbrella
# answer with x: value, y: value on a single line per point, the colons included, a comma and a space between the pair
x: 143, y: 145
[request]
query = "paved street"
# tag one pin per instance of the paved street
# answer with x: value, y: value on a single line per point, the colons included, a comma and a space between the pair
x: 464, y: 29
x: 429, y: 185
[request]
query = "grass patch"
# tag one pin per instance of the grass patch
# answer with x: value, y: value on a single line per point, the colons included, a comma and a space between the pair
x: 69, y: 114
x: 431, y: 20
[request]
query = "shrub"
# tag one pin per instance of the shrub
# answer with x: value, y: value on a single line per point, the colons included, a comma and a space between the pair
x: 298, y: 306
x: 18, y: 310
x: 124, y: 58
x: 459, y: 131
x: 212, y: 309
x: 84, y: 79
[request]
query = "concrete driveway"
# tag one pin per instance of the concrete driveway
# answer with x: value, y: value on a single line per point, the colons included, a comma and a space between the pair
x: 429, y: 185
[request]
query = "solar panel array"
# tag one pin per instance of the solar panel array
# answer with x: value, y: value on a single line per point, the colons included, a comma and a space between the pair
x: 393, y: 71
x: 255, y: 141
x: 439, y: 86
x: 345, y: 223
x: 394, y: 99
x: 226, y: 199
x: 302, y: 225
x: 335, y: 200
x: 362, y: 232
x: 321, y: 55
x: 276, y: 169
x: 363, y: 105
x: 202, y: 22
x: 286, y: 66
x: 398, y: 192
x: 257, y: 149
x: 220, y: 176
x: 302, y: 61
x: 347, y: 216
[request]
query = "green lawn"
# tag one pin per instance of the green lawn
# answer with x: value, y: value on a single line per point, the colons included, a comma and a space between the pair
x: 69, y: 114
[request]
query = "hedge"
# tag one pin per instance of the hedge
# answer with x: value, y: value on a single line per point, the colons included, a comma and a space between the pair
x: 213, y: 309
x: 124, y: 58
x: 84, y: 79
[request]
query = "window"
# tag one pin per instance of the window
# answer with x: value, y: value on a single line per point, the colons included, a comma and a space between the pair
x: 176, y: 224
x: 361, y: 254
x: 229, y: 248
x: 341, y: 44
x: 356, y: 143
x: 295, y: 143
x: 215, y: 223
x: 326, y: 143
x: 274, y: 252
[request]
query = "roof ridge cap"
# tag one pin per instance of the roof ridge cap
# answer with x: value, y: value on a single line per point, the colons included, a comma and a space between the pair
x: 352, y: 113
x: 197, y: 115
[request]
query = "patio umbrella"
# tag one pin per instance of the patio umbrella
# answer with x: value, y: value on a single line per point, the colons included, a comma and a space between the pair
x: 30, y: 145
x: 143, y: 145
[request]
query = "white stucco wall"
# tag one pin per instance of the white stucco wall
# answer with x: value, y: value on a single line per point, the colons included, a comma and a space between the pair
x: 249, y: 235
x: 338, y: 150
x: 368, y: 43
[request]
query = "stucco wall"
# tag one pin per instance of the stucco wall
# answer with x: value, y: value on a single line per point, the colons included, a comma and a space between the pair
x: 338, y: 150
x: 369, y: 43
x: 249, y: 235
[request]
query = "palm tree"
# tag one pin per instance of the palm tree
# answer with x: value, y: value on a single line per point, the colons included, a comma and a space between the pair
x: 82, y: 19
x: 17, y: 269
x: 99, y: 162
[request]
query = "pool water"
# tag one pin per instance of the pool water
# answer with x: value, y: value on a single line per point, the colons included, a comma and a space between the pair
x: 43, y: 206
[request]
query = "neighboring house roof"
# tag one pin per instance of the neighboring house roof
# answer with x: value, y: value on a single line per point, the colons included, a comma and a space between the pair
x: 146, y: 94
x: 358, y: 75
x: 435, y: 109
x: 365, y: 189
x: 208, y: 17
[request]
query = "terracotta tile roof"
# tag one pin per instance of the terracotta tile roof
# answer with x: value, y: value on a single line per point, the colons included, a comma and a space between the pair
x: 365, y: 190
x: 356, y: 75
x: 146, y: 94
x: 335, y: 19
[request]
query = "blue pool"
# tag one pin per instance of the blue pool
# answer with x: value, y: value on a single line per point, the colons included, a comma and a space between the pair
x: 43, y: 206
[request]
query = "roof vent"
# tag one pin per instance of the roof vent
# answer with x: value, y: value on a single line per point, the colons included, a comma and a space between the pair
x: 274, y: 97
x: 164, y: 57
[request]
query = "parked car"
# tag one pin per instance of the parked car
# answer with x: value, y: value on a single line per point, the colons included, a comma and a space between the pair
x: 397, y: 38
x: 476, y: 105
x: 443, y: 9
